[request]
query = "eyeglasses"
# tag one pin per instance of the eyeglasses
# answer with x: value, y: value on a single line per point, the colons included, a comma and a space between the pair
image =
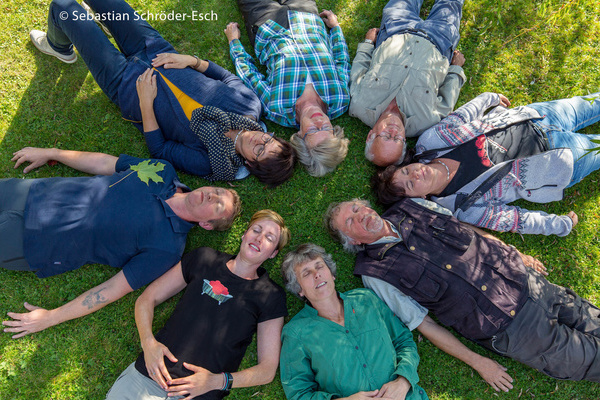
x: 387, y: 137
x: 313, y: 130
x: 259, y: 148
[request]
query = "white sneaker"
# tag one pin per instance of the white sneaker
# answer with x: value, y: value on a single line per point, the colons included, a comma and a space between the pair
x: 40, y: 41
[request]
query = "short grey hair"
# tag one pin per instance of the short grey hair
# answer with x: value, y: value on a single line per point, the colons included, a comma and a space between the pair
x: 324, y: 157
x: 345, y: 240
x: 370, y: 156
x: 304, y: 253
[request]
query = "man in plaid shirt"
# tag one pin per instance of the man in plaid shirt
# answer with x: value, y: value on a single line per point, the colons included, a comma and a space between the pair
x: 308, y: 73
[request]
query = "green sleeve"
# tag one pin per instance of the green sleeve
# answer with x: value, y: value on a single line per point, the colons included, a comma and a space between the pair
x: 297, y: 377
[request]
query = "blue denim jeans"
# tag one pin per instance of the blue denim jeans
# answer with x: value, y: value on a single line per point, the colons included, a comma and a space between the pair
x: 68, y: 26
x: 561, y: 119
x: 441, y: 26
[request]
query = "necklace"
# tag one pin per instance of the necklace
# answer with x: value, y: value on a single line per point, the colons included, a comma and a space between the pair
x: 238, y: 135
x: 447, y: 169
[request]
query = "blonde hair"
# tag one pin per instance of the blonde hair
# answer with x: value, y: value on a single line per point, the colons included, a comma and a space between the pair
x: 270, y: 215
x: 324, y: 157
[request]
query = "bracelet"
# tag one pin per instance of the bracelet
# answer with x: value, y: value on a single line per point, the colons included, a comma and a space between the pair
x: 227, y: 381
x: 197, y: 62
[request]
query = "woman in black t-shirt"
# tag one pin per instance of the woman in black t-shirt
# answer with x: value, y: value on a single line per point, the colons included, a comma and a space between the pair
x: 227, y: 299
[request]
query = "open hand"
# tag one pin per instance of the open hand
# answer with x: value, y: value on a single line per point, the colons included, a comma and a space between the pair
x: 194, y: 385
x: 396, y: 389
x: 146, y: 87
x: 495, y: 375
x: 37, y: 319
x: 34, y: 155
x: 534, y: 263
x: 173, y: 60
x: 154, y: 358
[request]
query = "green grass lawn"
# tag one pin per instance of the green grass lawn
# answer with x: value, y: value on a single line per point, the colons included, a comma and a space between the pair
x: 528, y: 50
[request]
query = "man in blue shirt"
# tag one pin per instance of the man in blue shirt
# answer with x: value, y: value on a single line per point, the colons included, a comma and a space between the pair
x: 134, y: 215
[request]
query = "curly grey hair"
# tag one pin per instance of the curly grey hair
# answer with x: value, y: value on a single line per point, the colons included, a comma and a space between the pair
x: 304, y: 253
x: 338, y: 235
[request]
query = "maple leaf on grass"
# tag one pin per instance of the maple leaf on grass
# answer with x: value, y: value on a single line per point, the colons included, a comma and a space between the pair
x: 146, y: 172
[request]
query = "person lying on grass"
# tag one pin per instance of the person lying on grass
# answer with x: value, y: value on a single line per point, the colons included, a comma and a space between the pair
x: 226, y: 300
x: 193, y: 113
x: 475, y: 164
x: 134, y: 215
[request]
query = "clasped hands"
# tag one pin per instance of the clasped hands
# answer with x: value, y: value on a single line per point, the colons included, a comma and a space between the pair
x: 200, y: 382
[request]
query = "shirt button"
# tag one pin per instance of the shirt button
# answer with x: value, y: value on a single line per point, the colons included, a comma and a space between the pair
x: 483, y: 287
x: 512, y: 313
x: 410, y: 221
x: 448, y: 266
x: 406, y: 228
x: 347, y: 331
x: 412, y: 248
x: 406, y: 66
x: 364, y: 365
x: 356, y: 347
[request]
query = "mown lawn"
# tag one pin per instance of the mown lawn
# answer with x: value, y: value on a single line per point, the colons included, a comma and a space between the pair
x: 528, y: 50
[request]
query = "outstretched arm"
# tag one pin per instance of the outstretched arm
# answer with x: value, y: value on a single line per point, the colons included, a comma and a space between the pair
x: 492, y: 372
x: 91, y: 163
x: 268, y: 347
x: 362, y: 60
x: 169, y: 284
x: 38, y: 319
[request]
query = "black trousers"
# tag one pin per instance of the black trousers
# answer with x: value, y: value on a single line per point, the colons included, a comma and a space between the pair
x: 257, y: 12
x: 556, y: 332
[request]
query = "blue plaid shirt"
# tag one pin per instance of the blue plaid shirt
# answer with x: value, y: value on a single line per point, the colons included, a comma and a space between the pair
x: 290, y: 55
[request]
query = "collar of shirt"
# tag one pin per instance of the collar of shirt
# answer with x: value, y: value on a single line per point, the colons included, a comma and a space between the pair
x: 389, y: 239
x: 179, y: 225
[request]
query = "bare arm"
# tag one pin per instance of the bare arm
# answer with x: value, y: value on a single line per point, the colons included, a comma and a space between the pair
x: 91, y: 163
x: 169, y: 284
x: 492, y: 372
x: 268, y: 348
x: 38, y: 319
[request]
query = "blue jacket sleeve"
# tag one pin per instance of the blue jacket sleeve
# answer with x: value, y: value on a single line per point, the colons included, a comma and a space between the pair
x: 181, y: 156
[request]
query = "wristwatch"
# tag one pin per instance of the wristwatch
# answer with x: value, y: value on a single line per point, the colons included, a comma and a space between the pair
x: 369, y: 41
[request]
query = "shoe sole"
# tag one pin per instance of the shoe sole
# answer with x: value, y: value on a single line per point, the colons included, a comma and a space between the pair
x: 65, y: 60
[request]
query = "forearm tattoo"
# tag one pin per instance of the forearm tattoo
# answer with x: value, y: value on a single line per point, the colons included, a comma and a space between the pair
x: 93, y: 299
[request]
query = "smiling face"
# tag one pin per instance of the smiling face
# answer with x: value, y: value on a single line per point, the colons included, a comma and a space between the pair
x: 256, y: 146
x: 418, y: 180
x: 358, y: 222
x: 387, y: 139
x: 260, y: 241
x: 315, y: 280
x: 209, y: 203
x: 315, y: 127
